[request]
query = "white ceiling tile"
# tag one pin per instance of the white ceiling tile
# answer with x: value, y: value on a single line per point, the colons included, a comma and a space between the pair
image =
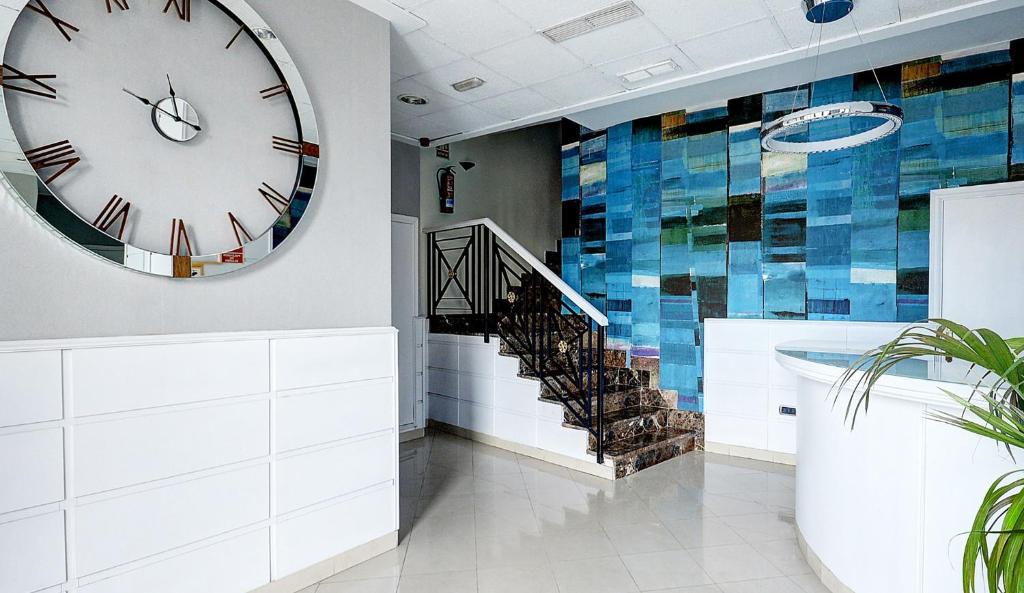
x: 542, y: 14
x: 915, y: 8
x: 409, y: 4
x: 517, y: 104
x: 618, y: 41
x: 444, y: 77
x: 740, y: 44
x: 471, y: 26
x: 465, y: 118
x: 531, y: 60
x: 578, y: 87
x: 407, y: 86
x: 418, y: 52
x: 618, y: 67
x: 682, y: 21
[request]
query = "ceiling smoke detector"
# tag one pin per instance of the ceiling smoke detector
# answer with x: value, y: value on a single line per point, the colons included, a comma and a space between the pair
x: 606, y: 17
x: 651, y: 71
x: 468, y: 84
x: 412, y: 100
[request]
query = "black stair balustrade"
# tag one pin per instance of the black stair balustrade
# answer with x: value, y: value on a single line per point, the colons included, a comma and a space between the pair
x: 480, y: 280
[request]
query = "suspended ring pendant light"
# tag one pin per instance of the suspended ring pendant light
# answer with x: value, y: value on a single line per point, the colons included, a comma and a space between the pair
x: 889, y: 116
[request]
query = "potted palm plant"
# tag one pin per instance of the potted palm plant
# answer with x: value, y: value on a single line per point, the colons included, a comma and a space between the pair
x: 994, y: 410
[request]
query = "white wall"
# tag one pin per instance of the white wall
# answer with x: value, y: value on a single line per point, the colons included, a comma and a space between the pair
x: 207, y: 463
x: 50, y: 289
x: 744, y: 386
x: 472, y: 386
x: 976, y: 263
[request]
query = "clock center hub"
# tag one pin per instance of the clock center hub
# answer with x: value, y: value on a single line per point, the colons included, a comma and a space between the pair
x: 176, y: 119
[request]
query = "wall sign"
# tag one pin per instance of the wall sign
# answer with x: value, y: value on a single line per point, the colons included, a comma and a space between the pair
x: 165, y: 138
x: 444, y: 151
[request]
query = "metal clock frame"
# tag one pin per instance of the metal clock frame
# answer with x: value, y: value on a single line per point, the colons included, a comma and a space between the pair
x: 306, y: 149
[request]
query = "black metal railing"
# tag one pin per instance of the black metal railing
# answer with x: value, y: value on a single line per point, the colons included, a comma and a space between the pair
x: 478, y: 281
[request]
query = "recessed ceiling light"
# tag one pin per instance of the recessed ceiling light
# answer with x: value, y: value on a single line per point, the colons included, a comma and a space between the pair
x: 468, y: 84
x: 413, y: 100
x: 649, y: 71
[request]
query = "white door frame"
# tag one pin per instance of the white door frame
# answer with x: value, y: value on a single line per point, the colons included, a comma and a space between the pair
x: 419, y: 411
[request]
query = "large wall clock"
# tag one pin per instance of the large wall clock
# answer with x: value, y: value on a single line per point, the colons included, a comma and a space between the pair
x: 173, y: 137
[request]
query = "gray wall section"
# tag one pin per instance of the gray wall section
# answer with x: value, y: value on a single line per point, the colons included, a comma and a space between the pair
x: 334, y: 272
x: 516, y: 183
x: 405, y: 179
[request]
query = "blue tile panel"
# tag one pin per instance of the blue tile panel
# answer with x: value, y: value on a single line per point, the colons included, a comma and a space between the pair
x: 684, y: 218
x: 619, y: 237
x: 646, y: 278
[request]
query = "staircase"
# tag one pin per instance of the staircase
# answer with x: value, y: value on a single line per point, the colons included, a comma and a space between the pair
x: 481, y: 281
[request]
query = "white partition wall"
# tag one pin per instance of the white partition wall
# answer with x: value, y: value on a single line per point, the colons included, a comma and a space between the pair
x: 204, y: 463
x: 471, y: 386
x: 744, y: 386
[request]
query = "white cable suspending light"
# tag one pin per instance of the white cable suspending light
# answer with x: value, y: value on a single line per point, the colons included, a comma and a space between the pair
x: 889, y: 116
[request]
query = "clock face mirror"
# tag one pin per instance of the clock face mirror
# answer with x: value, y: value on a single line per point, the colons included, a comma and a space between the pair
x: 174, y: 137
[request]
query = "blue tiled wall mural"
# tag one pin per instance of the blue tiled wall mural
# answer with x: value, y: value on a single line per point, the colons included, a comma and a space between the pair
x: 674, y: 219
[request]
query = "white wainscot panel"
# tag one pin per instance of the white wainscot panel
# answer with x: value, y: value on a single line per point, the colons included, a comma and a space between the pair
x: 316, y: 536
x: 323, y: 416
x: 516, y: 395
x: 555, y: 437
x: 479, y: 390
x: 506, y: 367
x: 129, y: 451
x: 739, y: 400
x: 476, y: 418
x: 443, y: 355
x: 737, y: 335
x: 514, y: 427
x: 307, y: 479
x: 32, y: 553
x: 444, y: 409
x: 31, y: 469
x: 312, y: 362
x: 236, y: 565
x: 478, y: 358
x: 739, y: 367
x: 443, y: 382
x: 135, y: 377
x: 118, y: 530
x: 734, y: 430
x: 30, y: 387
x: 550, y: 411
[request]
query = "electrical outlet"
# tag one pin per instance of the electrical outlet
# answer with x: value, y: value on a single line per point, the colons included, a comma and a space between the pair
x: 787, y: 411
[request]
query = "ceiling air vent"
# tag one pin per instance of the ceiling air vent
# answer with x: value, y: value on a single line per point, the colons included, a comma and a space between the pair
x: 606, y: 17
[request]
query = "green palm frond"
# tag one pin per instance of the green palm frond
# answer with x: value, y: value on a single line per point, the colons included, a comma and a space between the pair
x: 993, y: 410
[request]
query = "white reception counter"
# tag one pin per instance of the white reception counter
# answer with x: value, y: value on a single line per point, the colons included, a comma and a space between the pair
x: 883, y: 508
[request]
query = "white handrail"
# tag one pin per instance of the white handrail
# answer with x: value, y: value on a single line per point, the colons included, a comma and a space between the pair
x: 566, y: 290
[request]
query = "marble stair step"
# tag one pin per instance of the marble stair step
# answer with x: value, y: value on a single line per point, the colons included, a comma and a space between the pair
x: 635, y: 453
x: 627, y: 422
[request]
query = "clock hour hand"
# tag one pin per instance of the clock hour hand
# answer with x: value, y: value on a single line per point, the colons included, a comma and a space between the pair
x: 150, y: 104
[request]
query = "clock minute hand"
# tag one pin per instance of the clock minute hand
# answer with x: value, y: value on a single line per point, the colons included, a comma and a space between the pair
x: 149, y: 103
x: 174, y: 98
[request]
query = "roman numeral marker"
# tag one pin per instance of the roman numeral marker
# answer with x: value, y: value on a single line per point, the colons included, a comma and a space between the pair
x: 296, y: 148
x: 235, y: 38
x: 289, y: 146
x: 239, y: 230
x: 179, y: 238
x: 41, y: 89
x: 116, y: 210
x: 122, y: 4
x: 59, y: 154
x: 273, y: 197
x: 274, y: 91
x: 62, y: 25
x: 184, y: 9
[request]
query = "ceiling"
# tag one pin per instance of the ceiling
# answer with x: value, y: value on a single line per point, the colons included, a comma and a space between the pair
x: 530, y: 79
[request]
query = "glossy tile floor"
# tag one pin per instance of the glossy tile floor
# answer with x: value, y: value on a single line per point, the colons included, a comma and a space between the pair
x: 476, y: 519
